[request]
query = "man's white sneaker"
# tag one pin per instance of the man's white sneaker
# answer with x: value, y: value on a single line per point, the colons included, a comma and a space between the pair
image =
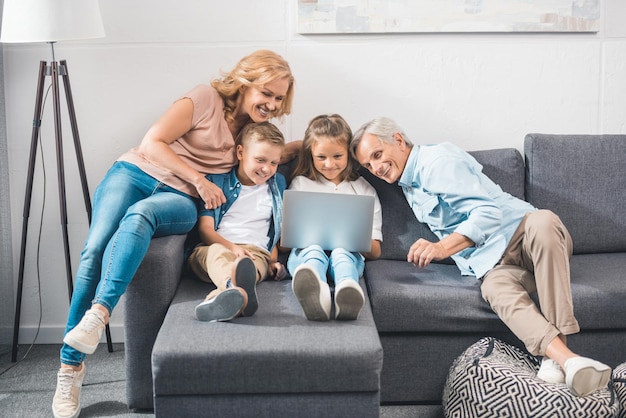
x: 312, y: 293
x: 66, y: 402
x: 85, y: 336
x: 584, y: 375
x: 349, y: 300
x: 550, y: 372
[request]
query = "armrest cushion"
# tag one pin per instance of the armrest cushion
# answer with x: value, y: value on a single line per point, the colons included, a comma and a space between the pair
x: 146, y: 301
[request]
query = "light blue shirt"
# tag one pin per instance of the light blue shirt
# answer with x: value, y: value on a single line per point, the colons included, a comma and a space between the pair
x: 447, y: 190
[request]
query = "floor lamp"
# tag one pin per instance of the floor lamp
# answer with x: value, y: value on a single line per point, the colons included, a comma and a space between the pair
x: 28, y: 21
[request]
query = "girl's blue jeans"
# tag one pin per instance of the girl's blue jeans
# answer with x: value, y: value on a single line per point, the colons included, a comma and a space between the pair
x: 340, y: 264
x: 129, y: 208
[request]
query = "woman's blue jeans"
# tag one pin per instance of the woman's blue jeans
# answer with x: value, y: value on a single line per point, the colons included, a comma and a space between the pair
x: 129, y: 208
x: 339, y: 263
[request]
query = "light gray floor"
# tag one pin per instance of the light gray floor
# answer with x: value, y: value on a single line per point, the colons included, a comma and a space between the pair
x: 27, y: 387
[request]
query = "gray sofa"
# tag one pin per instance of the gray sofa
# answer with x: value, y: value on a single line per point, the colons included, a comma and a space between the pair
x: 416, y: 323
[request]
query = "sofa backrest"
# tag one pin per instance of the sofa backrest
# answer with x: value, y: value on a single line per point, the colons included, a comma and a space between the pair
x: 582, y: 178
x: 400, y: 227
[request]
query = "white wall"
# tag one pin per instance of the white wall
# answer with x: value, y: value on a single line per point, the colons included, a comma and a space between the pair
x: 477, y: 90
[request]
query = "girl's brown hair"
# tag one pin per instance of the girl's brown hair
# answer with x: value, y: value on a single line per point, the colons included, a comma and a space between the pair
x: 259, y: 68
x: 334, y: 128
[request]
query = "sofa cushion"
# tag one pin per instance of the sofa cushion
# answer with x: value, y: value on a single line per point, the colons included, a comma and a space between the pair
x: 438, y: 298
x: 599, y: 290
x: 275, y: 351
x: 582, y: 178
x: 401, y: 228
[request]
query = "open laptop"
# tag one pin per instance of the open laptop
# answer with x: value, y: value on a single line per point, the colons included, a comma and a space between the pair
x: 331, y: 220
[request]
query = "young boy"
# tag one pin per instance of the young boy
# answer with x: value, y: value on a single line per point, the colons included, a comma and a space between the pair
x: 239, y: 238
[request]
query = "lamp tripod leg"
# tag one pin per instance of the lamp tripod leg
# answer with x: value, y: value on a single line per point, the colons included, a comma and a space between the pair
x: 27, y: 200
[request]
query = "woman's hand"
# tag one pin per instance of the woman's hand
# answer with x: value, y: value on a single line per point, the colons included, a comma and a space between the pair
x: 211, y: 195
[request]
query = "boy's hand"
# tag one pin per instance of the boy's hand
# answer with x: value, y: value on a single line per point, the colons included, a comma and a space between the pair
x: 277, y: 270
x: 241, y: 252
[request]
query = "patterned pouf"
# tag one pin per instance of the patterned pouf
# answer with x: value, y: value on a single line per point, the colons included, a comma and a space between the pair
x: 619, y: 384
x: 494, y: 379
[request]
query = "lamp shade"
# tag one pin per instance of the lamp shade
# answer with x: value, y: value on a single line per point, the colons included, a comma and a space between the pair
x: 50, y: 20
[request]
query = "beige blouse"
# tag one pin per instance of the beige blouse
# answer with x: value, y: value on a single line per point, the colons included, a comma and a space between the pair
x: 207, y: 147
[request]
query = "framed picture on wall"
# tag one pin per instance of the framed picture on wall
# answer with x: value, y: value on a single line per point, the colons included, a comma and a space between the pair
x: 404, y: 16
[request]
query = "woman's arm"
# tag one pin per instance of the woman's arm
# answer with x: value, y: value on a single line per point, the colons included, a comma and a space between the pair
x: 291, y: 151
x: 155, y: 146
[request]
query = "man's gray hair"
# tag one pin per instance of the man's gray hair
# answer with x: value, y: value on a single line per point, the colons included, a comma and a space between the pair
x: 383, y: 127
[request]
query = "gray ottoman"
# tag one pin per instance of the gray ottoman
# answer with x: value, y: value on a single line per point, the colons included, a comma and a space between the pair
x: 494, y: 379
x: 273, y: 364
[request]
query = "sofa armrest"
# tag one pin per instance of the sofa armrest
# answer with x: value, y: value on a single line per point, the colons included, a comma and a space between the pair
x: 147, y: 300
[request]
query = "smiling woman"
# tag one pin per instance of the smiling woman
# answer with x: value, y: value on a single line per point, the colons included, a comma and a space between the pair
x: 152, y: 190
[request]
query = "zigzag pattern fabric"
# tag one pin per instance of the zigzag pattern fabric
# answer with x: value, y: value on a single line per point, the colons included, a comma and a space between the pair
x: 494, y: 379
x: 619, y: 385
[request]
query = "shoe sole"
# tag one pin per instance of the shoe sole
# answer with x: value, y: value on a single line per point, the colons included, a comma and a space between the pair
x: 244, y: 276
x: 589, y: 379
x: 348, y: 304
x: 308, y: 288
x: 78, y: 345
x: 223, y: 307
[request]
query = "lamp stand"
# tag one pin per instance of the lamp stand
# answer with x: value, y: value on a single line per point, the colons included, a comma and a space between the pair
x: 55, y: 70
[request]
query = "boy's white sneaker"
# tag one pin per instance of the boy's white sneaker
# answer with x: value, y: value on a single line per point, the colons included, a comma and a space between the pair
x: 66, y: 401
x: 85, y: 336
x: 312, y: 293
x: 349, y: 300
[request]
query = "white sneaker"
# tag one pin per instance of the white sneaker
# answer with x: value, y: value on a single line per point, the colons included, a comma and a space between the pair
x: 66, y: 401
x: 349, y: 300
x: 584, y: 375
x: 550, y: 372
x: 85, y: 336
x: 221, y: 305
x: 312, y: 293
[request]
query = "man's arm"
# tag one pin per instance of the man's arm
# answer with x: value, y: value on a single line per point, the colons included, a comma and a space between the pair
x: 422, y: 252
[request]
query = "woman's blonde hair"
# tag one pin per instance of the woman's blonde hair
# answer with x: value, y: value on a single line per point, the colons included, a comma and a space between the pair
x: 334, y: 128
x: 258, y: 68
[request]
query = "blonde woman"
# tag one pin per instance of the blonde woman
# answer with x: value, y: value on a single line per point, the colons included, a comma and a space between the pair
x: 152, y: 190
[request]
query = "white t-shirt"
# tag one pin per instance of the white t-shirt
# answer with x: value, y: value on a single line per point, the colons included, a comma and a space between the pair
x: 359, y: 186
x: 248, y: 219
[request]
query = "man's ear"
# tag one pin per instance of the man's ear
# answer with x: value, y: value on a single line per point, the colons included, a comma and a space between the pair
x: 399, y: 140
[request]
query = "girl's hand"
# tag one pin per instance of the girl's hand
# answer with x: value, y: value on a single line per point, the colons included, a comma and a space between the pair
x: 211, y: 195
x: 277, y: 270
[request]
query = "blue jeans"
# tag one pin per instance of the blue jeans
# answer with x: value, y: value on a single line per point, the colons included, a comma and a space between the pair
x: 129, y: 208
x: 339, y: 263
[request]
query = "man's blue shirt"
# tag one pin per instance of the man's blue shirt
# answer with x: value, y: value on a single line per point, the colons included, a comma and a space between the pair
x: 447, y: 190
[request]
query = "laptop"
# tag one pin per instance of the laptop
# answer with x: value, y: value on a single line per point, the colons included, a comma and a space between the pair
x: 331, y: 220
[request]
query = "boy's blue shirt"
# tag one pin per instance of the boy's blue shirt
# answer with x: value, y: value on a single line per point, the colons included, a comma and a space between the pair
x: 231, y: 186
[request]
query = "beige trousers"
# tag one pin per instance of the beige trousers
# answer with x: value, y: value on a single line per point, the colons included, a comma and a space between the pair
x: 214, y: 263
x: 536, y: 260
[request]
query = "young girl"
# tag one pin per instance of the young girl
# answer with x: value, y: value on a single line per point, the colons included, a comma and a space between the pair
x: 325, y: 165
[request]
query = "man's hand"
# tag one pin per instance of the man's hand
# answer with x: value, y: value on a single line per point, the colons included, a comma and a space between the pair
x: 422, y: 252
